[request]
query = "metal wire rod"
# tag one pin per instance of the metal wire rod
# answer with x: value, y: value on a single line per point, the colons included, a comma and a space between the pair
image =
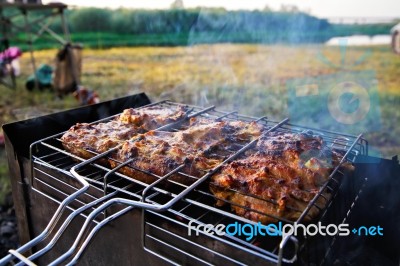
x: 95, y: 230
x: 51, y: 225
x: 64, y: 226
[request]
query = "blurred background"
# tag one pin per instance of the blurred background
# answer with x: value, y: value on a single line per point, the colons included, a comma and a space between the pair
x: 237, y: 55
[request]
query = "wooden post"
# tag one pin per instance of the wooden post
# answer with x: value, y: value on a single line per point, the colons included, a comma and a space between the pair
x: 70, y: 49
x: 64, y: 25
x: 28, y: 31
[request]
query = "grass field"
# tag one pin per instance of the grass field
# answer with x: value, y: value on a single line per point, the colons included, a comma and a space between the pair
x: 249, y: 78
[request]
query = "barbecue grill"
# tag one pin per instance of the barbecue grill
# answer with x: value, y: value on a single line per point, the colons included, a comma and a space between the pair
x: 74, y: 210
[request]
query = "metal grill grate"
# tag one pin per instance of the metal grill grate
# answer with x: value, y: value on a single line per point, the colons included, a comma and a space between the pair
x: 96, y: 187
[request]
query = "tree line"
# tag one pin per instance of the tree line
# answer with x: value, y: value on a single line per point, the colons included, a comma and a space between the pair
x: 96, y: 27
x: 257, y: 25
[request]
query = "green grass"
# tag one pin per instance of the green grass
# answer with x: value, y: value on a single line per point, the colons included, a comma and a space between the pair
x: 101, y: 40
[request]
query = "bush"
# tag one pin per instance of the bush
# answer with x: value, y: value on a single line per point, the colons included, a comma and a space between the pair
x: 91, y: 19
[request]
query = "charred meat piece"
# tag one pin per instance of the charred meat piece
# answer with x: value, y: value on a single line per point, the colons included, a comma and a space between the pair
x: 218, y: 139
x: 277, y: 179
x: 158, y: 153
x: 85, y: 139
x: 199, y: 148
x: 150, y: 118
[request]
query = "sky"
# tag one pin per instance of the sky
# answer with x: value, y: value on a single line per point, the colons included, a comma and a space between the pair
x: 319, y: 8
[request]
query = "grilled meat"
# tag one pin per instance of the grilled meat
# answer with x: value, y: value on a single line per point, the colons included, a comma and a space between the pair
x: 85, y: 139
x: 199, y: 148
x: 277, y: 179
x: 150, y: 118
